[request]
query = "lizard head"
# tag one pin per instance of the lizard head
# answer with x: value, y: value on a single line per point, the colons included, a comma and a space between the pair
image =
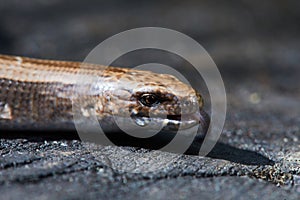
x: 151, y: 101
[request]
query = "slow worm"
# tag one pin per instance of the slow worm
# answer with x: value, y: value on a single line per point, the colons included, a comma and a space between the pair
x: 37, y: 94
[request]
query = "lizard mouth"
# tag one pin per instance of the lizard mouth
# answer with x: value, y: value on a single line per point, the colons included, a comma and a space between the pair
x: 174, y: 122
x: 200, y: 117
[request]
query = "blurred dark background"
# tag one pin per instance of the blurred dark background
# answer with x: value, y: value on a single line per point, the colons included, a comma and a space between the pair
x: 255, y: 43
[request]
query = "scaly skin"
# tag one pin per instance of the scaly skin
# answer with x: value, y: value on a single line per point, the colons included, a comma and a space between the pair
x: 38, y: 94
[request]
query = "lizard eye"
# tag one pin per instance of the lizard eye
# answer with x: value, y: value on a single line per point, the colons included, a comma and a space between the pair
x: 149, y: 100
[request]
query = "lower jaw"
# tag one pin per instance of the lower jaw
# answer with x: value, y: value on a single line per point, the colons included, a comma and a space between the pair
x: 180, y: 125
x: 187, y: 123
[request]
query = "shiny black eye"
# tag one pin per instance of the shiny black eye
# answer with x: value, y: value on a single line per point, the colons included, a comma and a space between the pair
x: 149, y: 100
